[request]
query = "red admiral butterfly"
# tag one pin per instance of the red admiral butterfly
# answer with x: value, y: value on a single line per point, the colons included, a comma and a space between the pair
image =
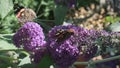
x: 24, y: 14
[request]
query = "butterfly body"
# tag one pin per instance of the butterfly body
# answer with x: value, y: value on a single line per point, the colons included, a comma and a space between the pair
x: 62, y: 35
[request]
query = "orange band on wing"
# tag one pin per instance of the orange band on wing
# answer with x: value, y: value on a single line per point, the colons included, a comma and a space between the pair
x: 19, y: 13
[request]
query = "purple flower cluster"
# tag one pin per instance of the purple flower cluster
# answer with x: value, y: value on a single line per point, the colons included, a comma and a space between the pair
x: 30, y: 36
x: 65, y: 43
x: 108, y: 41
x: 37, y: 55
x: 82, y: 43
x: 69, y: 3
x: 89, y: 42
x: 63, y: 53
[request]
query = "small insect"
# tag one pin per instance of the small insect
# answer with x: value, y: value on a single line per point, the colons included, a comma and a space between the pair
x: 62, y: 34
x: 24, y: 14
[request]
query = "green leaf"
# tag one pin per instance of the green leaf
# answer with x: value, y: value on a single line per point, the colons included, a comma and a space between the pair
x: 6, y: 45
x: 115, y: 27
x: 60, y: 13
x: 2, y: 65
x: 24, y: 61
x: 5, y: 7
x: 108, y: 18
x: 45, y: 62
x: 6, y: 41
x: 27, y: 66
x: 6, y: 58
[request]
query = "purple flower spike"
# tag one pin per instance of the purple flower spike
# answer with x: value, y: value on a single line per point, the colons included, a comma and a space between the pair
x: 30, y: 36
x: 38, y: 54
x: 64, y: 53
x: 65, y: 46
x: 67, y: 50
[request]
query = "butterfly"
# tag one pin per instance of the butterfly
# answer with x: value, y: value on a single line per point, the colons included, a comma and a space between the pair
x: 24, y: 14
x: 62, y: 35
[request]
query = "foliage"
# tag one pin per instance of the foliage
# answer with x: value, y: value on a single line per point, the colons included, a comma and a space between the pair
x: 86, y: 2
x: 112, y: 19
x: 7, y: 20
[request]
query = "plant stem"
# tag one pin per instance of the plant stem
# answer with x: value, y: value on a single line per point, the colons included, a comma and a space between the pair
x: 12, y: 50
x: 6, y: 34
x: 38, y: 7
x: 98, y: 61
x: 80, y: 63
x: 40, y: 15
x: 43, y: 20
